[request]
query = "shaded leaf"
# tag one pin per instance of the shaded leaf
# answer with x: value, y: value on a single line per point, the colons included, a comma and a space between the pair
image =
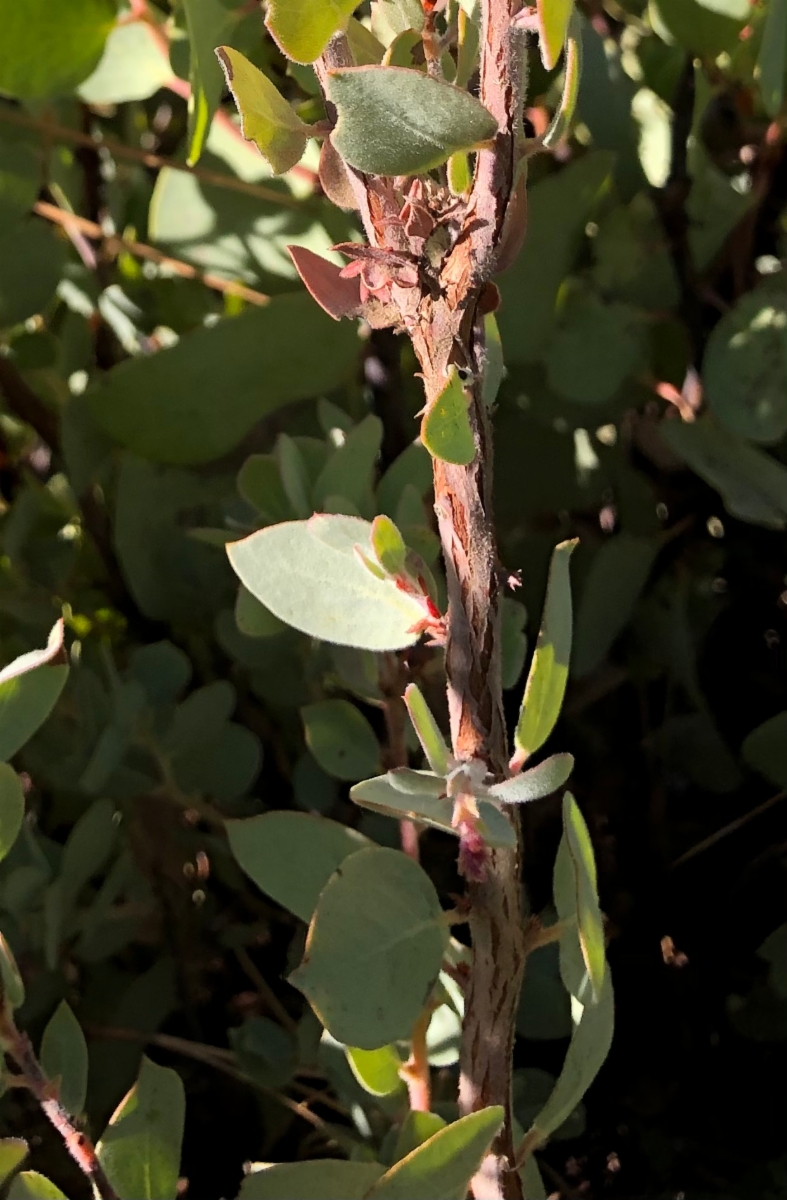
x: 442, y: 1167
x: 321, y: 587
x: 445, y: 426
x: 564, y: 115
x: 752, y: 485
x: 12, y: 989
x: 47, y: 50
x: 695, y: 26
x: 319, y: 1179
x: 140, y: 1148
x: 616, y: 579
x: 349, y: 471
x: 765, y: 749
x: 291, y: 856
x: 12, y: 808
x: 133, y: 66
x: 64, y: 1055
x: 745, y: 366
x: 267, y: 119
x: 394, y: 121
x: 417, y: 1128
x: 341, y: 739
x: 33, y: 260
x: 772, y: 61
x: 29, y: 689
x: 336, y: 296
x: 546, y: 681
x: 303, y: 28
x: 172, y: 406
x: 208, y: 23
x: 374, y: 949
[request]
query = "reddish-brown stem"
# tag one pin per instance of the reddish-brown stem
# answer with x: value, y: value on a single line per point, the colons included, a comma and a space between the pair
x: 416, y: 1070
x: 31, y: 1076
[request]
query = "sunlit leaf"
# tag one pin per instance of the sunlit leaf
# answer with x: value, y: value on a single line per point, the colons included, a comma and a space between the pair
x: 546, y: 681
x: 323, y: 589
x: 377, y: 1071
x: 383, y: 795
x: 29, y: 689
x: 318, y: 1179
x: 442, y: 1166
x: 580, y: 898
x: 140, y: 1148
x: 32, y: 1185
x: 427, y: 729
x: 208, y: 23
x: 303, y: 28
x: 266, y: 117
x: 13, y: 1152
x: 553, y: 19
x: 394, y: 121
x: 540, y: 781
x: 445, y: 426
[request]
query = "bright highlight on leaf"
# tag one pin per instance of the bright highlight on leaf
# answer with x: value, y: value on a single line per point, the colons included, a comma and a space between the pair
x: 429, y: 735
x: 377, y: 1071
x: 308, y: 574
x: 546, y: 682
x: 29, y: 689
x: 303, y: 28
x: 553, y: 19
x: 443, y: 1165
x: 394, y: 121
x: 561, y: 122
x: 590, y: 923
x: 266, y: 117
x: 445, y: 427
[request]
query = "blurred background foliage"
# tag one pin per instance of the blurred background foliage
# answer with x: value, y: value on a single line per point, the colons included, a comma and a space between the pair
x: 167, y: 386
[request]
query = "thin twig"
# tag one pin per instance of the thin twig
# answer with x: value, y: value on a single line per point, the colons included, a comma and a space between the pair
x: 31, y: 1076
x: 733, y: 826
x: 114, y: 245
x: 155, y: 162
x: 264, y: 988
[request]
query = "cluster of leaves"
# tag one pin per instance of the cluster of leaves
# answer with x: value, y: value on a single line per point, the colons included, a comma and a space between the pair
x: 207, y: 729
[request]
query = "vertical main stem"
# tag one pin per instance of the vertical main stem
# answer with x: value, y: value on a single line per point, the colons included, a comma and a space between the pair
x: 463, y: 503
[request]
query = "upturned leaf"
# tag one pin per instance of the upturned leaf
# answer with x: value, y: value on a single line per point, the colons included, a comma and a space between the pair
x: 546, y: 681
x: 140, y: 1147
x: 318, y: 1179
x: 208, y: 23
x: 64, y: 1057
x: 309, y: 575
x: 12, y: 808
x: 445, y: 426
x: 553, y: 19
x: 374, y: 949
x: 442, y: 1167
x: 394, y: 121
x: 540, y: 781
x: 582, y: 903
x: 382, y: 795
x: 377, y: 1071
x: 388, y: 545
x: 267, y: 119
x: 303, y: 28
x: 427, y: 729
x: 29, y: 689
x: 291, y: 856
x: 564, y: 115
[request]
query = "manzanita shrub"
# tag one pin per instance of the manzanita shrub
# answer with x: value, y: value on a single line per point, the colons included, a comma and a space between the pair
x: 235, y: 545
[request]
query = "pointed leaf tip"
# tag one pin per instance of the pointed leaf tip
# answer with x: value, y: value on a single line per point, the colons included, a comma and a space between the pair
x: 266, y: 118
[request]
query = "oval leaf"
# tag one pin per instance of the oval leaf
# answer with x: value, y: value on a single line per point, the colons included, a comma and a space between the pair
x: 377, y: 1071
x: 140, y: 1149
x: 265, y: 116
x: 374, y: 948
x: 445, y: 427
x: 394, y: 121
x: 29, y: 689
x: 341, y: 739
x: 291, y: 856
x: 64, y: 1056
x: 442, y: 1167
x: 304, y: 28
x: 318, y: 585
x: 546, y: 681
x: 382, y: 795
x: 541, y: 781
x: 32, y: 1185
x: 13, y: 1151
x: 745, y: 366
